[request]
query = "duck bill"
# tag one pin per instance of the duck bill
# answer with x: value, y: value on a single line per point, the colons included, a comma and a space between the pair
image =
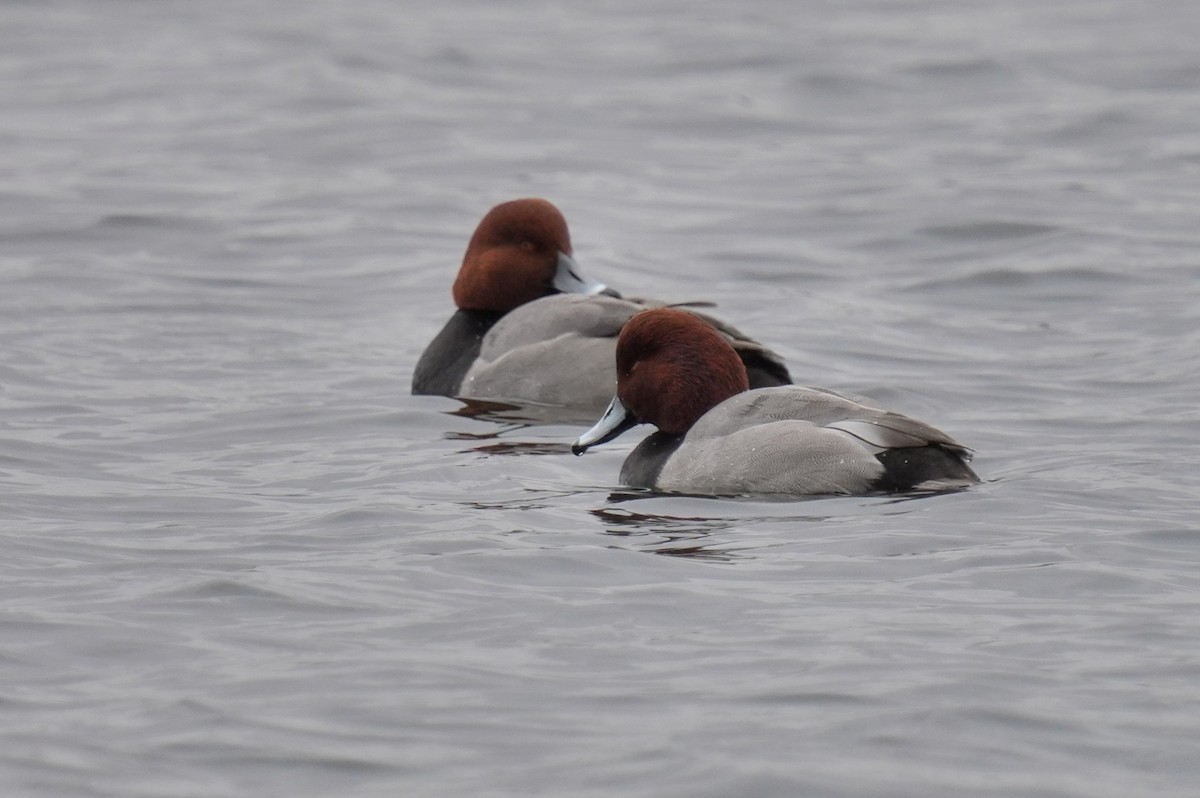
x: 616, y: 419
x: 570, y: 279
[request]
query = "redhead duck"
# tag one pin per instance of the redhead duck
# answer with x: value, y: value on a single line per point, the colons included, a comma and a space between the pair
x: 532, y: 329
x: 717, y: 437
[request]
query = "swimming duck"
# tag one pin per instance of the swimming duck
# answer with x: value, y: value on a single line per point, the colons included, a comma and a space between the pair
x: 716, y: 436
x: 531, y: 328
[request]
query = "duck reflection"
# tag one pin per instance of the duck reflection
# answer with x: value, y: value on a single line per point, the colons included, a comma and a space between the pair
x: 689, y: 537
x: 513, y: 419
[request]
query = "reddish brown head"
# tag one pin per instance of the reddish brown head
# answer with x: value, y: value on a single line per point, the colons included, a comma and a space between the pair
x: 513, y: 256
x: 672, y: 368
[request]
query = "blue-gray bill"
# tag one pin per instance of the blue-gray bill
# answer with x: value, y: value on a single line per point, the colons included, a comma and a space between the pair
x: 616, y: 419
x: 570, y: 279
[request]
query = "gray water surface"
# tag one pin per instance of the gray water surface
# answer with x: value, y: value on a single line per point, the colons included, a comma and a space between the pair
x: 241, y: 560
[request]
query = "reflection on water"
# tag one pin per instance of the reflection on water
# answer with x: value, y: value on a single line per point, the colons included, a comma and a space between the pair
x: 683, y: 535
x: 497, y: 447
x: 483, y: 436
x: 526, y: 414
x: 675, y: 537
x: 523, y: 448
x: 530, y: 500
x: 513, y: 419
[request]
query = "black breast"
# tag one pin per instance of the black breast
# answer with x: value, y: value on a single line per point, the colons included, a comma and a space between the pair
x: 763, y: 369
x: 449, y: 356
x: 645, y: 463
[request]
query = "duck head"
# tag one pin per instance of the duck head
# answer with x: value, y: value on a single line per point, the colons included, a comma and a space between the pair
x: 672, y: 368
x: 520, y: 251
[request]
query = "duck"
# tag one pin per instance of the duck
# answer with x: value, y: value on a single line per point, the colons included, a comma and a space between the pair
x: 717, y: 436
x: 530, y: 328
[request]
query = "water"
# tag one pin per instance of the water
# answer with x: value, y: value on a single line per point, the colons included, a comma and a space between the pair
x: 241, y: 560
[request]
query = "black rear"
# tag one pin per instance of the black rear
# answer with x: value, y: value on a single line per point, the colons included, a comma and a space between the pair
x: 905, y: 469
x: 764, y: 369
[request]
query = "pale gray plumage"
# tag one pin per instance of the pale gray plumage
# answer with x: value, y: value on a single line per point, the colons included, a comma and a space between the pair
x: 561, y: 350
x: 791, y: 440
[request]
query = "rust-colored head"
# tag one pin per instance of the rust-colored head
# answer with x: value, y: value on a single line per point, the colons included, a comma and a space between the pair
x: 672, y: 368
x: 513, y: 256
